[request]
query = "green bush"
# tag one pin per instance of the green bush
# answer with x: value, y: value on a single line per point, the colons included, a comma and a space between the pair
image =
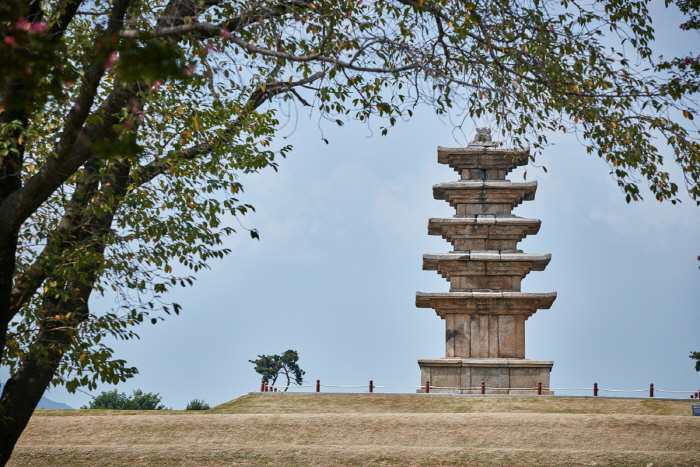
x: 120, y: 401
x: 196, y: 404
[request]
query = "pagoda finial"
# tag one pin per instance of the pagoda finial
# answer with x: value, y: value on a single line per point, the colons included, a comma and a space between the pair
x: 482, y: 138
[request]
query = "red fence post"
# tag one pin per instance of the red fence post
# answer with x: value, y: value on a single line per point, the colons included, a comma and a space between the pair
x: 595, y: 389
x: 539, y: 388
x: 483, y: 387
x: 651, y: 390
x: 371, y: 386
x: 427, y: 386
x: 318, y: 385
x: 262, y: 385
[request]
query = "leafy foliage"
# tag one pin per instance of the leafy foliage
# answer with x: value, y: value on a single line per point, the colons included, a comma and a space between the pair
x: 120, y: 401
x: 272, y: 366
x: 197, y: 404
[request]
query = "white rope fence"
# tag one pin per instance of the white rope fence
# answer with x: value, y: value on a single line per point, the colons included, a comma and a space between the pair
x: 265, y: 387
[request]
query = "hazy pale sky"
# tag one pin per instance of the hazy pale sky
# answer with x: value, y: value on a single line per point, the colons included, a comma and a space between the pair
x: 343, y: 228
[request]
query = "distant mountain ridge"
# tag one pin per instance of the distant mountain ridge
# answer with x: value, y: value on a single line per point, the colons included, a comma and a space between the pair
x: 45, y: 403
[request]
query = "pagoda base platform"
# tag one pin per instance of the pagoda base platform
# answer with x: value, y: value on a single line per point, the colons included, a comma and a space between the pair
x: 501, y: 375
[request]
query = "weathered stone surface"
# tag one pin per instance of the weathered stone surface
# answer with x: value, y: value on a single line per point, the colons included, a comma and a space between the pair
x: 498, y: 303
x: 484, y: 270
x: 501, y: 376
x: 474, y: 160
x: 484, y: 336
x: 471, y: 198
x: 484, y: 311
x: 479, y: 233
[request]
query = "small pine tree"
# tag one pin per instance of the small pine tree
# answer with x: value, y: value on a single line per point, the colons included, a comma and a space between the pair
x: 271, y: 366
x: 197, y: 404
x: 696, y: 356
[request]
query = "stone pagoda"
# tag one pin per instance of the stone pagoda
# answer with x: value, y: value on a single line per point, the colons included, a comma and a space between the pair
x: 484, y: 311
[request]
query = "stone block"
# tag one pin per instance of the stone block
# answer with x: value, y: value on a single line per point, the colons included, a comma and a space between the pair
x: 479, y: 333
x: 471, y: 230
x: 473, y: 174
x: 493, y: 336
x: 494, y: 377
x: 526, y: 378
x: 445, y: 378
x: 449, y: 335
x: 470, y: 209
x: 462, y: 336
x: 496, y: 174
x: 481, y: 283
x: 501, y: 244
x: 506, y: 336
x: 519, y: 335
x: 497, y: 209
x: 465, y: 244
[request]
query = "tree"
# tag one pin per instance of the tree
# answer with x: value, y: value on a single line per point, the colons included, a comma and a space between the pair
x: 114, y: 400
x: 271, y: 366
x: 124, y: 124
x: 196, y: 404
x: 696, y: 356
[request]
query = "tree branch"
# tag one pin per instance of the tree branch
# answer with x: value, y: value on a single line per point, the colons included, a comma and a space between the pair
x: 148, y: 172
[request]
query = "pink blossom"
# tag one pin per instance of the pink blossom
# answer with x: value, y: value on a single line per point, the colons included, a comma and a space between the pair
x: 29, y: 70
x: 157, y: 84
x: 76, y: 106
x: 209, y: 47
x: 189, y: 70
x: 9, y: 40
x: 225, y: 33
x: 38, y: 27
x: 22, y: 24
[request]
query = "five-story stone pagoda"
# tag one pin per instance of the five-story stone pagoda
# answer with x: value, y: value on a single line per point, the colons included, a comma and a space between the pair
x: 484, y: 311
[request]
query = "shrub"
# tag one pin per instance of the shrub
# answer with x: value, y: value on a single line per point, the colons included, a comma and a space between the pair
x: 114, y: 400
x: 196, y: 404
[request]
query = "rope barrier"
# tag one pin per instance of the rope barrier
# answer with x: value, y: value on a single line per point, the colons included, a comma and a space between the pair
x: 334, y: 386
x: 679, y: 392
x: 623, y: 390
x: 292, y: 387
x: 482, y: 388
x: 569, y: 389
x: 399, y: 387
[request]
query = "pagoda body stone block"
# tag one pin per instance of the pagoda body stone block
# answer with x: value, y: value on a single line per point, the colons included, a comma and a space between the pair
x: 485, y: 310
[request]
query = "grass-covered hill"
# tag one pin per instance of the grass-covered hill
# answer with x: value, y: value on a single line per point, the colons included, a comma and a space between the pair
x: 372, y: 429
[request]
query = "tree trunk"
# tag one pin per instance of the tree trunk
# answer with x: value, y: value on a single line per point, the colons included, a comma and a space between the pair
x: 24, y: 389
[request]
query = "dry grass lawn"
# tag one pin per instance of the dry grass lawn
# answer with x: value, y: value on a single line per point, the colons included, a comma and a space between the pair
x: 359, y: 430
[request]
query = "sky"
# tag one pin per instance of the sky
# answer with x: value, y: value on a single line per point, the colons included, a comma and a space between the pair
x: 343, y: 227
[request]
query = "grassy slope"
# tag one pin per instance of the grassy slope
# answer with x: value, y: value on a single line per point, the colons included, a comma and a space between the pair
x: 290, y: 430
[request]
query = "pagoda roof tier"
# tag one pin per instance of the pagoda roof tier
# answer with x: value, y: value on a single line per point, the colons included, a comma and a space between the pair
x: 479, y: 261
x: 483, y: 157
x: 485, y: 270
x: 485, y: 303
x: 487, y: 230
x: 480, y: 192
